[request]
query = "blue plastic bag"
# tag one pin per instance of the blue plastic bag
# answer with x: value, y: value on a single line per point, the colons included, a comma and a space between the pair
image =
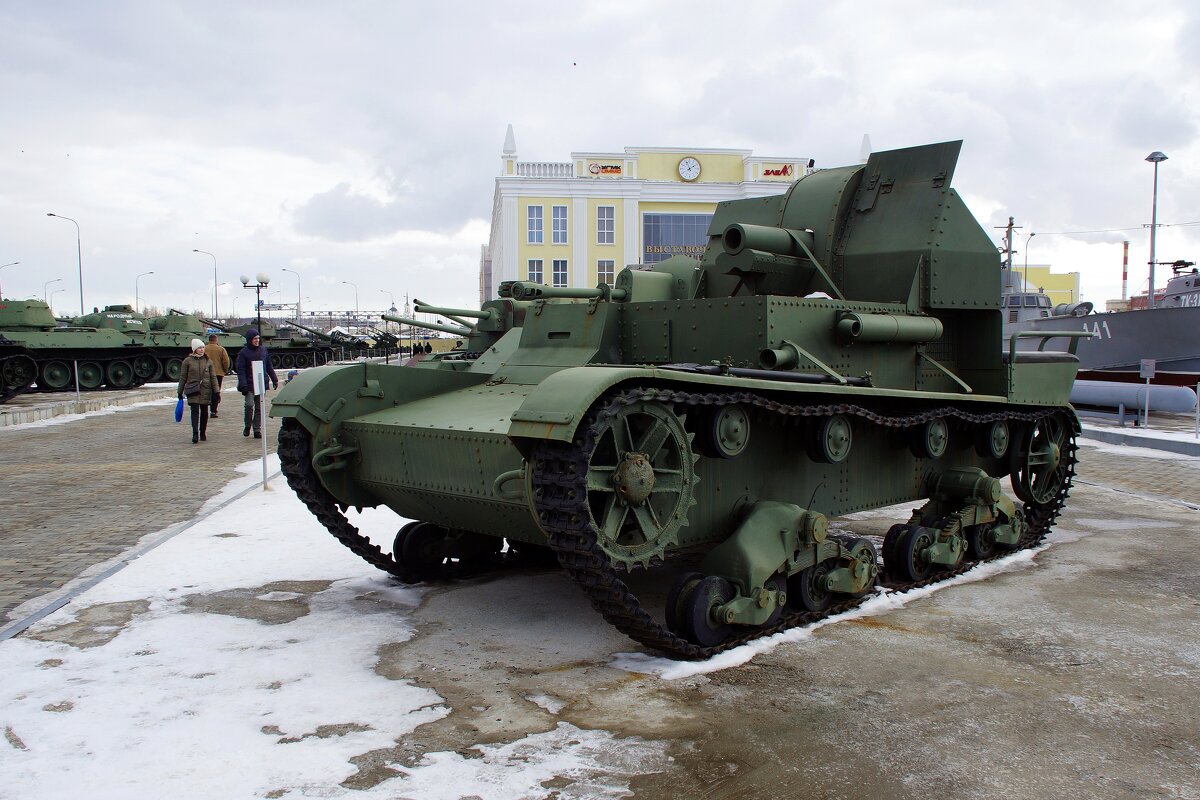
x: 179, y: 410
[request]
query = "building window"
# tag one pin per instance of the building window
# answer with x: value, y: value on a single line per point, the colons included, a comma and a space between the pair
x: 666, y: 235
x: 535, y: 224
x: 560, y: 225
x: 535, y: 270
x: 604, y: 270
x: 606, y: 224
x: 560, y: 272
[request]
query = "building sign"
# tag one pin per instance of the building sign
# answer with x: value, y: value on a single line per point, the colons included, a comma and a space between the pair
x: 604, y: 169
x: 782, y: 171
x: 666, y: 235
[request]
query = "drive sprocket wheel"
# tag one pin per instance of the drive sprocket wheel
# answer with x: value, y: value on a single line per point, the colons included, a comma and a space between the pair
x: 640, y: 477
x: 1039, y: 469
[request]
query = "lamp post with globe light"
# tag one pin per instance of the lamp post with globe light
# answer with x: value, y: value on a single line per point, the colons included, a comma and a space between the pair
x: 260, y: 282
x: 1154, y: 158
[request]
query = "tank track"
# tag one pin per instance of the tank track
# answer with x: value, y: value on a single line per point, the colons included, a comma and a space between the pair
x: 559, y: 478
x: 560, y: 497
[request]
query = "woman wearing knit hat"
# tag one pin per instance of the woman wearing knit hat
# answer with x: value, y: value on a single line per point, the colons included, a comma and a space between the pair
x: 198, y: 382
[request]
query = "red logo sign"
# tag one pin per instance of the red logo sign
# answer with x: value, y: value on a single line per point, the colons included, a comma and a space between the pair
x: 604, y: 169
x: 778, y: 172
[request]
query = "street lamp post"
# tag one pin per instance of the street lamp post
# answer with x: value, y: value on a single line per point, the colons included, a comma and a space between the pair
x: 46, y: 291
x: 1026, y: 275
x: 10, y: 264
x: 261, y: 281
x: 1155, y: 158
x: 355, y: 285
x: 214, y: 258
x: 297, y: 274
x: 50, y: 300
x: 137, y: 298
x: 79, y: 254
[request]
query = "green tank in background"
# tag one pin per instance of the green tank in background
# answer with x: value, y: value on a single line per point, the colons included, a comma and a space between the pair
x: 288, y: 347
x: 168, y: 337
x: 836, y: 349
x: 106, y: 357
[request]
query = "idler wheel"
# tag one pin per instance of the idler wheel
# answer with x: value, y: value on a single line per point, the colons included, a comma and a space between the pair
x: 19, y: 371
x: 696, y: 611
x: 681, y: 589
x: 641, y: 473
x: 1038, y: 469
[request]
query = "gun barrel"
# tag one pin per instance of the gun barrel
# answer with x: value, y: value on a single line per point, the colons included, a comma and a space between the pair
x: 525, y: 290
x: 456, y: 330
x: 488, y: 314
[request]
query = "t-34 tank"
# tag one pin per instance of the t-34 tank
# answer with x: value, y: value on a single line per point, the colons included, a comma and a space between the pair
x: 105, y: 357
x: 836, y: 349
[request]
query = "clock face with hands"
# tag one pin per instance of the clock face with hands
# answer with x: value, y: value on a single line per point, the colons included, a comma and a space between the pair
x: 689, y: 169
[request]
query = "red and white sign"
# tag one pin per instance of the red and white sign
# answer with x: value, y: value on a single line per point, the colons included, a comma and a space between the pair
x: 784, y: 171
x: 604, y: 169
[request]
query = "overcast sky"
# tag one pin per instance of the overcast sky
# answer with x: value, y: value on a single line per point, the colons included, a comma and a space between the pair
x: 360, y: 142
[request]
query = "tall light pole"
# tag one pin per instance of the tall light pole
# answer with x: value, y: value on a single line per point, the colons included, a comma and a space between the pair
x: 79, y: 253
x: 46, y: 291
x: 355, y: 285
x: 1155, y: 158
x: 1026, y: 275
x: 137, y: 298
x: 50, y: 300
x: 10, y: 264
x: 214, y: 258
x: 297, y: 274
x: 261, y: 281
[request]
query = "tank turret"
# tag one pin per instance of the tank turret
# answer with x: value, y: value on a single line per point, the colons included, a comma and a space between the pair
x: 836, y: 349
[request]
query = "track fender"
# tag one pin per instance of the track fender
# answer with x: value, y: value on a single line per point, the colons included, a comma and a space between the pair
x: 557, y: 406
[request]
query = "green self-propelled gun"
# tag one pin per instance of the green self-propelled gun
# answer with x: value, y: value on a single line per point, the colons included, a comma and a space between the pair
x: 836, y: 349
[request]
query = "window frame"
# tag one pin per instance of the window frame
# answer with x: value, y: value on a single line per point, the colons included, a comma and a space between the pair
x: 612, y: 225
x: 532, y: 230
x: 529, y: 270
x: 558, y: 236
x: 554, y: 272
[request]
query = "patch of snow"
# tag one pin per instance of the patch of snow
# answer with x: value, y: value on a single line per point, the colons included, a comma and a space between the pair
x: 546, y: 702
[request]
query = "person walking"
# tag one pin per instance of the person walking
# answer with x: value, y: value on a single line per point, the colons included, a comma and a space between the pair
x: 198, y: 382
x: 253, y: 351
x: 219, y: 357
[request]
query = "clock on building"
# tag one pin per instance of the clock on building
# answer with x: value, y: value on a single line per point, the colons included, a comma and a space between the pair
x: 689, y: 169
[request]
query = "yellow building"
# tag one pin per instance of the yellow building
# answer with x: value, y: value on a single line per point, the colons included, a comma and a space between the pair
x: 579, y: 222
x: 1062, y: 287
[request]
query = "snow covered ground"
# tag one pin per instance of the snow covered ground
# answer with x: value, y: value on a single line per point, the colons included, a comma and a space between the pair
x: 238, y: 659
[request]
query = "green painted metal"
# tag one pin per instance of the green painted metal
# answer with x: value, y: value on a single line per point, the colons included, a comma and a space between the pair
x: 836, y: 349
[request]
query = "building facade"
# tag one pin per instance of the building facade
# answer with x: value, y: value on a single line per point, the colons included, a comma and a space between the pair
x: 1062, y: 287
x: 578, y: 223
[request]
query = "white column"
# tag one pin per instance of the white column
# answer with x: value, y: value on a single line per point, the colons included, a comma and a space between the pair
x: 633, y: 234
x: 580, y: 268
x: 508, y: 269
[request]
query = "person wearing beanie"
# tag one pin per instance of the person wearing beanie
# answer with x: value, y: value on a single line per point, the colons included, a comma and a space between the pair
x: 198, y: 382
x: 253, y: 351
x: 219, y: 357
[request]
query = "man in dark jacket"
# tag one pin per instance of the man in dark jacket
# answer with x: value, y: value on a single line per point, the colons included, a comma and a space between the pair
x: 253, y: 351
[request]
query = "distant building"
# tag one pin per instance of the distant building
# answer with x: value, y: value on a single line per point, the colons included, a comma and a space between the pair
x: 579, y: 222
x: 1062, y: 287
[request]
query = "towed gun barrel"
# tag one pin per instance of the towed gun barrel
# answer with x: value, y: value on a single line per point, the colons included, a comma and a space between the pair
x: 433, y: 326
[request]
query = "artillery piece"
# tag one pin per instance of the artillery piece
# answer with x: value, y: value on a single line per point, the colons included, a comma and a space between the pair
x: 287, y: 348
x: 836, y: 349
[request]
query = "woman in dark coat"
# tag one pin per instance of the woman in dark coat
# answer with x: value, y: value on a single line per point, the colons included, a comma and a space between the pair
x: 198, y: 382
